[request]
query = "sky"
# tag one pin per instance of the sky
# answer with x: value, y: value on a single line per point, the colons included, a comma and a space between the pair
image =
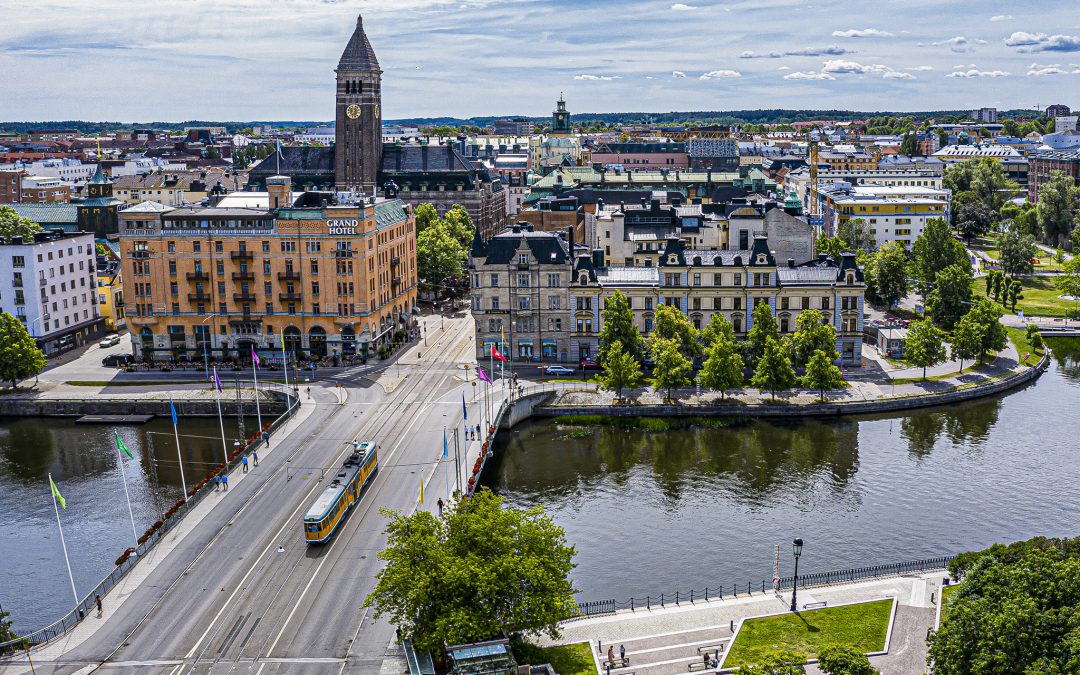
x: 237, y: 60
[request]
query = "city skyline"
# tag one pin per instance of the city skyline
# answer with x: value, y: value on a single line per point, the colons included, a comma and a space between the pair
x: 265, y: 61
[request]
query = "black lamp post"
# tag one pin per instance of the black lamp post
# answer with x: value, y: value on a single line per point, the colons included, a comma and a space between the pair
x: 796, y: 549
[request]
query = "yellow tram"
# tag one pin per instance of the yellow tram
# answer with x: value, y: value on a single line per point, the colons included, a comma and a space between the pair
x: 346, y: 488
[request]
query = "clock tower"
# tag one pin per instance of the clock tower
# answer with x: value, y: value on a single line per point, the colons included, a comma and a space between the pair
x: 358, y: 133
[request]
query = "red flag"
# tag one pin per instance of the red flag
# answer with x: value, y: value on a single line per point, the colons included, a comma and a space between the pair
x: 496, y: 354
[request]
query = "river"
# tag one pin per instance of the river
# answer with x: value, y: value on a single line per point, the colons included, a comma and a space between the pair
x: 34, y: 583
x: 655, y: 512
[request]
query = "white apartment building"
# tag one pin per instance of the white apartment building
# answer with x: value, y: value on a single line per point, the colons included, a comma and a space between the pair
x: 68, y: 169
x: 49, y: 284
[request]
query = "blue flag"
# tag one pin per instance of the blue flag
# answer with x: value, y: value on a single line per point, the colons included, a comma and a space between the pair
x: 217, y: 380
x: 172, y: 409
x: 445, y: 447
x: 464, y: 410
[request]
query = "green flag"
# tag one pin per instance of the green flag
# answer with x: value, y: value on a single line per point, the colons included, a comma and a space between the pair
x: 121, y: 447
x: 56, y: 493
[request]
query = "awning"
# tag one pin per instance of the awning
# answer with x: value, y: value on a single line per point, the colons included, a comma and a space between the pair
x: 548, y: 341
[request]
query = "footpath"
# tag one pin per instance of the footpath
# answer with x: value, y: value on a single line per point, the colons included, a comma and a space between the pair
x: 666, y: 640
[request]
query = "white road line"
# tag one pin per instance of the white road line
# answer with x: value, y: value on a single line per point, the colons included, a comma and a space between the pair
x: 699, y: 643
x: 725, y: 627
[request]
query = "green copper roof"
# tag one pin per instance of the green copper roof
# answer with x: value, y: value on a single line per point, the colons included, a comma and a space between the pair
x: 100, y: 178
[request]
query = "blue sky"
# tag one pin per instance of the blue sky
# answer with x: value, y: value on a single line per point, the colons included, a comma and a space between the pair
x: 274, y: 59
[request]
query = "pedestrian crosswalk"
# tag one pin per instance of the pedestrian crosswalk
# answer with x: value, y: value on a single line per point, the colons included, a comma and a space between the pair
x: 352, y: 372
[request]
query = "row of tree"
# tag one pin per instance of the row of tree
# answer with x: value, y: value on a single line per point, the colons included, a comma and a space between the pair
x: 674, y: 343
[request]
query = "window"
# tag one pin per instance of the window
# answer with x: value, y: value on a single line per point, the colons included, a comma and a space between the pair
x: 553, y: 281
x: 288, y: 247
x: 196, y: 246
x: 738, y: 279
x: 584, y: 303
x: 648, y: 324
x: 495, y: 304
x: 825, y: 302
x: 523, y: 302
x: 314, y: 287
x: 523, y: 259
x: 783, y: 305
x: 806, y: 302
x: 268, y: 289
x: 648, y: 303
x: 176, y: 309
x: 554, y: 302
x: 697, y: 279
x: 171, y: 247
x: 223, y: 309
x: 736, y: 302
x: 174, y: 288
x: 523, y: 280
x: 221, y: 267
x: 315, y: 309
x: 494, y: 281
x: 314, y: 246
x: 266, y: 267
x: 269, y: 308
x: 266, y: 247
x: 172, y: 267
x: 696, y: 303
x: 314, y: 266
x: 219, y: 247
x: 221, y: 288
x: 783, y: 324
x: 18, y: 261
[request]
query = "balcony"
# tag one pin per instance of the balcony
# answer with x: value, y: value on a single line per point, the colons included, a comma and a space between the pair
x: 242, y: 255
x: 343, y: 253
x: 199, y: 297
x: 395, y: 261
x: 138, y: 254
x: 243, y: 276
x: 198, y: 276
x: 288, y: 276
x: 243, y: 297
x: 290, y: 297
x: 177, y: 337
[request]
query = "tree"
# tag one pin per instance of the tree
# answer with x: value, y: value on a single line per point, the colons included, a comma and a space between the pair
x: 1014, y: 614
x: 812, y: 335
x: 1036, y: 341
x: 619, y: 327
x: 723, y: 367
x: 717, y: 327
x: 481, y: 569
x: 1056, y: 208
x: 935, y: 250
x: 924, y: 346
x: 14, y: 225
x: 889, y: 269
x: 1069, y: 280
x: 834, y: 246
x: 856, y: 233
x: 966, y: 340
x: 774, y: 372
x: 1016, y: 249
x: 425, y: 216
x: 844, y: 660
x: 821, y: 374
x: 671, y: 324
x: 459, y: 224
x: 1074, y: 243
x: 439, y: 258
x: 621, y: 370
x: 20, y: 357
x: 909, y: 145
x: 780, y: 662
x: 951, y: 295
x: 973, y: 220
x: 670, y: 367
x: 7, y: 633
x: 1021, y: 217
x: 986, y: 315
x: 763, y: 330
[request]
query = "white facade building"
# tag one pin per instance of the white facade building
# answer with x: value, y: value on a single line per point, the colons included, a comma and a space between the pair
x: 68, y: 169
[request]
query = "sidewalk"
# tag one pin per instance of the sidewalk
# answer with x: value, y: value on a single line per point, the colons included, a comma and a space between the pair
x: 663, y: 641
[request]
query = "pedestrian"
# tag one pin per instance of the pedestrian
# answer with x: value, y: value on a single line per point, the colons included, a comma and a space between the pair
x: 706, y: 659
x: 440, y: 504
x: 243, y: 460
x: 266, y: 439
x: 225, y: 481
x: 610, y: 653
x: 622, y: 653
x: 478, y: 432
x: 255, y: 456
x: 217, y: 482
x: 97, y: 601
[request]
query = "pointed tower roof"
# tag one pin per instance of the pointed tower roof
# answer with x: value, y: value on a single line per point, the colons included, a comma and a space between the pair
x: 100, y: 178
x: 358, y: 54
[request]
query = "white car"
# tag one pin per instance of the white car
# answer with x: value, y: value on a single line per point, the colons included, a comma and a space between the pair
x: 110, y: 340
x: 558, y: 370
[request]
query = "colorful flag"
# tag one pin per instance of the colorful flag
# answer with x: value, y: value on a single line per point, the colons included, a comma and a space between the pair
x: 254, y: 357
x: 483, y: 376
x: 282, y: 334
x: 217, y: 381
x: 445, y: 447
x: 56, y: 494
x: 120, y: 443
x: 464, y: 410
x: 172, y: 409
x: 497, y: 354
x: 421, y: 490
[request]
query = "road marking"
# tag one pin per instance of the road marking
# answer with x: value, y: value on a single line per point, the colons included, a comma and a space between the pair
x: 698, y: 643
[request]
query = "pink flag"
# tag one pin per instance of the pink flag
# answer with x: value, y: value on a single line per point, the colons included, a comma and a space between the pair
x: 482, y: 374
x: 254, y: 357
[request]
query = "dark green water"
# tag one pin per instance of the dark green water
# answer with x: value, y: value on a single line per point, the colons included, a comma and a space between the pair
x: 34, y: 584
x: 653, y: 512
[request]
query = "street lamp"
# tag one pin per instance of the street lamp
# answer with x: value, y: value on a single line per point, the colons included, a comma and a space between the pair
x: 796, y: 549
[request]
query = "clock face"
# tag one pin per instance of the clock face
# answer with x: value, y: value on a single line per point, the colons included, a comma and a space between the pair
x: 353, y: 111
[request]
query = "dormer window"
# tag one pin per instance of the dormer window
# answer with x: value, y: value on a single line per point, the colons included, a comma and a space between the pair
x: 761, y: 259
x: 673, y: 259
x: 584, y: 281
x: 850, y: 277
x: 523, y: 259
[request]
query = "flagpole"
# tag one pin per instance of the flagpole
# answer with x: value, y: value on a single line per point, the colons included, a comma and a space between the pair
x: 457, y: 464
x: 255, y: 375
x: 446, y: 470
x: 71, y: 577
x: 127, y: 495
x: 221, y: 421
x: 285, y: 367
x: 179, y: 457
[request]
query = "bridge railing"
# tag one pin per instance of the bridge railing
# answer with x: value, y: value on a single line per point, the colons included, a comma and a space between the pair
x: 130, y: 558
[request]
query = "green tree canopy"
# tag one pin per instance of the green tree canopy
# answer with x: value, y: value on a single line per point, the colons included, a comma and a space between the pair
x: 440, y: 258
x: 1069, y: 281
x: 671, y: 324
x: 1016, y: 249
x: 763, y: 330
x: 14, y: 225
x: 723, y: 367
x: 834, y: 246
x: 20, y: 357
x: 459, y: 224
x: 619, y: 327
x: 480, y: 570
x: 986, y: 315
x: 889, y: 270
x: 973, y: 220
x: 426, y: 216
x: 812, y: 335
x: 621, y: 369
x: 909, y: 145
x: 844, y: 660
x: 774, y: 372
x: 1022, y: 217
x: 717, y: 327
x: 822, y: 374
x: 670, y: 367
x: 934, y: 250
x: 855, y: 232
x: 967, y: 339
x: 1056, y: 209
x: 6, y: 632
x: 925, y: 345
x: 951, y: 296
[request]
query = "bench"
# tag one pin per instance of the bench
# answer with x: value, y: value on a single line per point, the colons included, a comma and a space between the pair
x: 617, y: 663
x: 710, y: 648
x: 814, y: 605
x: 698, y: 665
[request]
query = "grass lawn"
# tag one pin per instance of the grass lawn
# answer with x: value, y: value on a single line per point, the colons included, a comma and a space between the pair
x: 862, y: 626
x: 1040, y: 296
x: 575, y: 659
x: 1020, y: 341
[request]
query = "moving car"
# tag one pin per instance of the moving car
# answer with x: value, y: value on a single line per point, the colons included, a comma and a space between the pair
x: 117, y: 360
x: 558, y: 370
x: 110, y: 340
x: 590, y: 364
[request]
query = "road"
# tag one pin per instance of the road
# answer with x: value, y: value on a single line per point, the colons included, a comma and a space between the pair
x: 243, y: 593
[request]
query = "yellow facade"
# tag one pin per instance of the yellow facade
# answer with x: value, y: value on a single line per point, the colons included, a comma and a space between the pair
x: 110, y: 296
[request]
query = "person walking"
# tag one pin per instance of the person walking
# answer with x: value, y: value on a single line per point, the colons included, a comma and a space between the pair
x: 217, y: 482
x: 266, y: 438
x: 440, y: 504
x: 225, y: 481
x: 477, y: 432
x: 97, y: 601
x: 610, y: 654
x: 255, y: 456
x: 622, y: 654
x: 243, y: 461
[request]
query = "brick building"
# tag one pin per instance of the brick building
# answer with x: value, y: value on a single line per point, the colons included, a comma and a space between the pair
x: 1041, y: 164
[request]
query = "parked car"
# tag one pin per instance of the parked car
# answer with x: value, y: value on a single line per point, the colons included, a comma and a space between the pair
x: 110, y: 340
x: 117, y: 360
x: 558, y: 370
x: 590, y: 364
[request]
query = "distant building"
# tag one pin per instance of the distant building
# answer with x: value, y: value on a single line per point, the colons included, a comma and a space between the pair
x: 10, y: 186
x: 638, y: 156
x: 53, y: 134
x: 1040, y: 164
x: 45, y: 190
x: 985, y: 115
x: 1012, y: 160
x: 518, y: 126
x: 713, y: 154
x: 47, y: 282
x: 560, y: 119
x: 1063, y: 123
x: 175, y: 188
x: 1057, y: 110
x: 323, y: 135
x: 110, y: 292
x: 892, y: 213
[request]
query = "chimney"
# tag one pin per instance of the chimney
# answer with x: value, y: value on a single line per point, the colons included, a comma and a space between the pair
x: 644, y: 202
x: 570, y: 240
x: 278, y: 189
x: 597, y: 258
x: 791, y: 262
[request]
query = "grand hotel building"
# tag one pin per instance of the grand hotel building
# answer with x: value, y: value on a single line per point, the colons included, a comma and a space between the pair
x: 217, y: 282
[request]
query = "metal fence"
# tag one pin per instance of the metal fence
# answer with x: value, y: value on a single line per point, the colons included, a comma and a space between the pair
x: 87, y: 604
x: 720, y: 591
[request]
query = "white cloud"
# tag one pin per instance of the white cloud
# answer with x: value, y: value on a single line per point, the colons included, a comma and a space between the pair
x: 919, y: 68
x: 897, y: 75
x: 861, y: 33
x: 1053, y: 69
x: 981, y: 41
x: 784, y: 68
x: 978, y: 73
x: 845, y: 66
x: 678, y: 73
x: 719, y: 74
x: 1002, y: 17
x: 682, y: 7
x: 597, y: 78
x: 957, y: 44
x: 800, y: 75
x: 831, y: 50
x: 1041, y: 42
x: 969, y: 65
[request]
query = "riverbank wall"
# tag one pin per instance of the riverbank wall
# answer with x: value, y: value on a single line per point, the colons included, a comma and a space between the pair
x: 32, y: 406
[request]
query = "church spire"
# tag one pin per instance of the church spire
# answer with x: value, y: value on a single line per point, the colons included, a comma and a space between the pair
x: 358, y: 54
